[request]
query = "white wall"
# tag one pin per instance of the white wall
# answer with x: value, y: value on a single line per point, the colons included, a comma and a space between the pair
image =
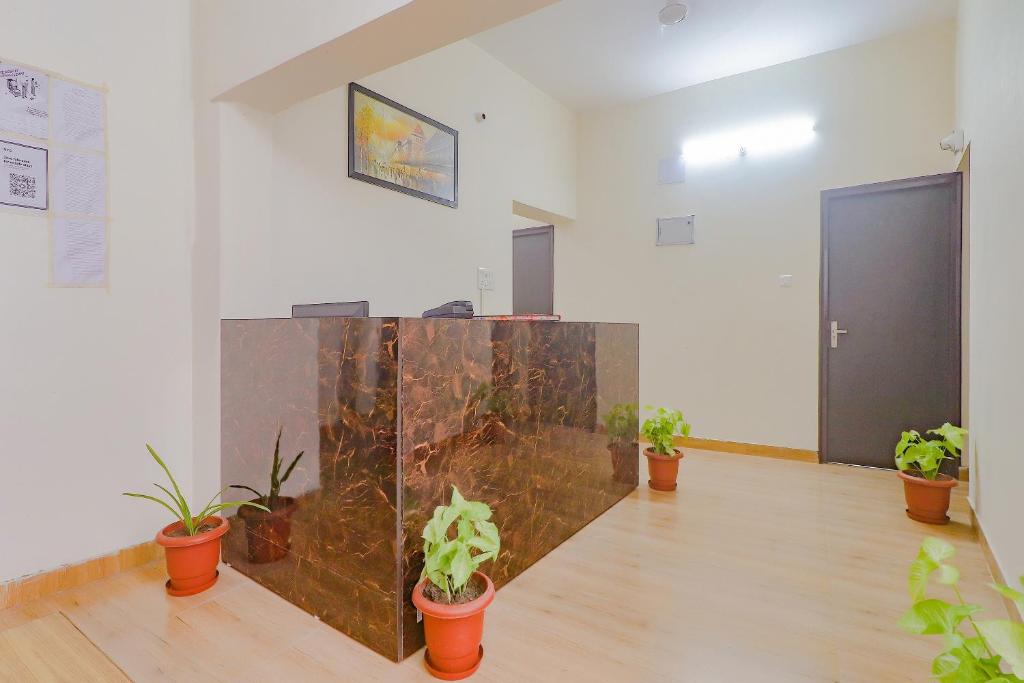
x: 990, y: 108
x: 719, y: 338
x: 296, y: 229
x: 89, y: 376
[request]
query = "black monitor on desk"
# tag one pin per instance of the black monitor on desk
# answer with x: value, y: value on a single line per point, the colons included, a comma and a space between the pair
x: 340, y: 309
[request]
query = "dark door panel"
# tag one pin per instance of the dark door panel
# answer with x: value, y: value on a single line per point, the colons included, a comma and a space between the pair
x: 891, y: 285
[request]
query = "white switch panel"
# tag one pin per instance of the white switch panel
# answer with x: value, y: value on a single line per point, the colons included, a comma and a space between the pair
x: 785, y: 281
x: 485, y: 279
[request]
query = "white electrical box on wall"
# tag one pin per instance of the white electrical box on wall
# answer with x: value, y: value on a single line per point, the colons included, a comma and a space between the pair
x: 676, y: 230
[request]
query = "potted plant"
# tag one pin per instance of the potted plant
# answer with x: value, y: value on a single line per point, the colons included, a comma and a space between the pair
x: 268, y: 525
x: 451, y: 594
x: 981, y: 657
x: 622, y: 423
x: 191, y: 544
x: 662, y: 458
x: 918, y: 460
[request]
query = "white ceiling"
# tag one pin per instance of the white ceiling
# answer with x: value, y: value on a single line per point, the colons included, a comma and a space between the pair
x: 596, y: 53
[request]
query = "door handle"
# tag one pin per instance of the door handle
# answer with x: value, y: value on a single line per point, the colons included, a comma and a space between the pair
x: 834, y: 333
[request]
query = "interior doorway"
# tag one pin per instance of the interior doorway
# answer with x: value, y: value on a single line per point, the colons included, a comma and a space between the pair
x: 533, y: 270
x: 890, y: 315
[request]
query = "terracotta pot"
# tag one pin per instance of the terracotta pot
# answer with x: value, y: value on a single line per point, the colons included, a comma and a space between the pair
x: 268, y: 534
x: 625, y: 463
x: 192, y: 560
x: 453, y: 632
x: 663, y: 469
x: 927, y: 499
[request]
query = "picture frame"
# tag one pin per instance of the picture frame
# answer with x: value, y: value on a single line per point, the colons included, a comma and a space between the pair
x: 398, y: 148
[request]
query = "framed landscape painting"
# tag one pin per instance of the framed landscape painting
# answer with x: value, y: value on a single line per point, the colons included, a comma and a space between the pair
x: 395, y: 147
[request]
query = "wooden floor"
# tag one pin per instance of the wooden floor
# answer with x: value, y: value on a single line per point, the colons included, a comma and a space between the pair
x: 755, y: 570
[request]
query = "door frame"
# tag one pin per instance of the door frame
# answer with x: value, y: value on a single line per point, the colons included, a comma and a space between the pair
x: 955, y: 227
x: 539, y: 230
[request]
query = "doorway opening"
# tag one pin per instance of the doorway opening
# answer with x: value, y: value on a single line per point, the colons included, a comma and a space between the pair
x: 533, y: 270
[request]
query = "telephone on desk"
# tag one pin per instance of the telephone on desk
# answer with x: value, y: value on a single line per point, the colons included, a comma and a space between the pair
x: 452, y: 309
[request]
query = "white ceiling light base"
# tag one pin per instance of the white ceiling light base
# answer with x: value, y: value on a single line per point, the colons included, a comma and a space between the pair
x: 672, y: 13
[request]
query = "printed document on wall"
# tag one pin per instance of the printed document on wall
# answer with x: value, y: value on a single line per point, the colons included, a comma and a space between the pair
x: 77, y: 115
x: 24, y: 106
x: 79, y: 252
x: 79, y: 184
x: 23, y: 175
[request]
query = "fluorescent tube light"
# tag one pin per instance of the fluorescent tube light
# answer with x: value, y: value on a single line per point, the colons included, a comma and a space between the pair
x: 762, y: 139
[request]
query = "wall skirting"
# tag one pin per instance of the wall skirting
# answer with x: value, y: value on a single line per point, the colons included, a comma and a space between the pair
x: 781, y: 452
x: 36, y: 586
x: 995, y: 569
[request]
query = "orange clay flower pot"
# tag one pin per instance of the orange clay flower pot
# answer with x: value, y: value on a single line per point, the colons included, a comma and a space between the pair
x: 663, y: 469
x: 927, y: 499
x: 453, y: 632
x: 192, y: 560
x: 268, y: 534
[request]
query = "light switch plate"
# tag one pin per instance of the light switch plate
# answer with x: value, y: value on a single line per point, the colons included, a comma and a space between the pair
x: 485, y: 279
x: 785, y: 281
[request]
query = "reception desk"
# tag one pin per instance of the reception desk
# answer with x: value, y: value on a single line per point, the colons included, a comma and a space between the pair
x: 389, y: 414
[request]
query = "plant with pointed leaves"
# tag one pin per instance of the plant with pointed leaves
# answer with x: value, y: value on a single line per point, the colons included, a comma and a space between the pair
x: 179, y: 506
x: 662, y: 426
x: 967, y: 659
x: 450, y: 562
x: 272, y: 499
x: 925, y: 456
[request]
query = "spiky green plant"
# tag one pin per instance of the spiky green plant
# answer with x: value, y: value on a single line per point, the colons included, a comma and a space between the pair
x: 276, y: 481
x: 178, y: 505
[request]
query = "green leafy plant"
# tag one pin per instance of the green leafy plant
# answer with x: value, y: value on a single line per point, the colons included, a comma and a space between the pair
x: 925, y: 456
x: 272, y: 499
x: 179, y: 506
x: 622, y: 422
x: 450, y: 562
x: 661, y: 427
x: 977, y: 658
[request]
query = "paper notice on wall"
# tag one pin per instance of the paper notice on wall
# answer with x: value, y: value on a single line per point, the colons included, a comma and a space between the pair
x: 79, y: 184
x: 23, y: 175
x: 79, y: 252
x: 24, y: 101
x: 77, y: 115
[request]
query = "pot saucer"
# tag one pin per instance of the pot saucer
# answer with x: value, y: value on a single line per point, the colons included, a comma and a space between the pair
x: 446, y: 676
x: 190, y: 591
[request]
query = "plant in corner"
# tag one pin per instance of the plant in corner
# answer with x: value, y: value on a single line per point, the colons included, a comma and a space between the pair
x: 451, y: 594
x: 981, y: 657
x: 192, y: 543
x: 268, y: 525
x: 662, y: 458
x: 918, y: 460
x: 622, y: 423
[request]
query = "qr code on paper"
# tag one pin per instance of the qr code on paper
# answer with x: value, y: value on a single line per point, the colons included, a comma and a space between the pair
x: 23, y: 186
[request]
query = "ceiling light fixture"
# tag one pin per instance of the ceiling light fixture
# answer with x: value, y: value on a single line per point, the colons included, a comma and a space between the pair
x: 763, y: 139
x: 672, y: 13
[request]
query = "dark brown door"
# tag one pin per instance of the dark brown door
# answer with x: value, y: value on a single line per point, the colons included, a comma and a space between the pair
x: 890, y: 315
x: 533, y: 270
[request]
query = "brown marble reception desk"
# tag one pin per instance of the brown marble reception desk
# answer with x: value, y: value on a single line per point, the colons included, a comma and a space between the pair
x: 390, y: 412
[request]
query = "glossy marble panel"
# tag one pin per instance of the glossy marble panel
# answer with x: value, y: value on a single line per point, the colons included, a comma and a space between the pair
x: 331, y: 385
x: 389, y: 413
x: 508, y: 412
